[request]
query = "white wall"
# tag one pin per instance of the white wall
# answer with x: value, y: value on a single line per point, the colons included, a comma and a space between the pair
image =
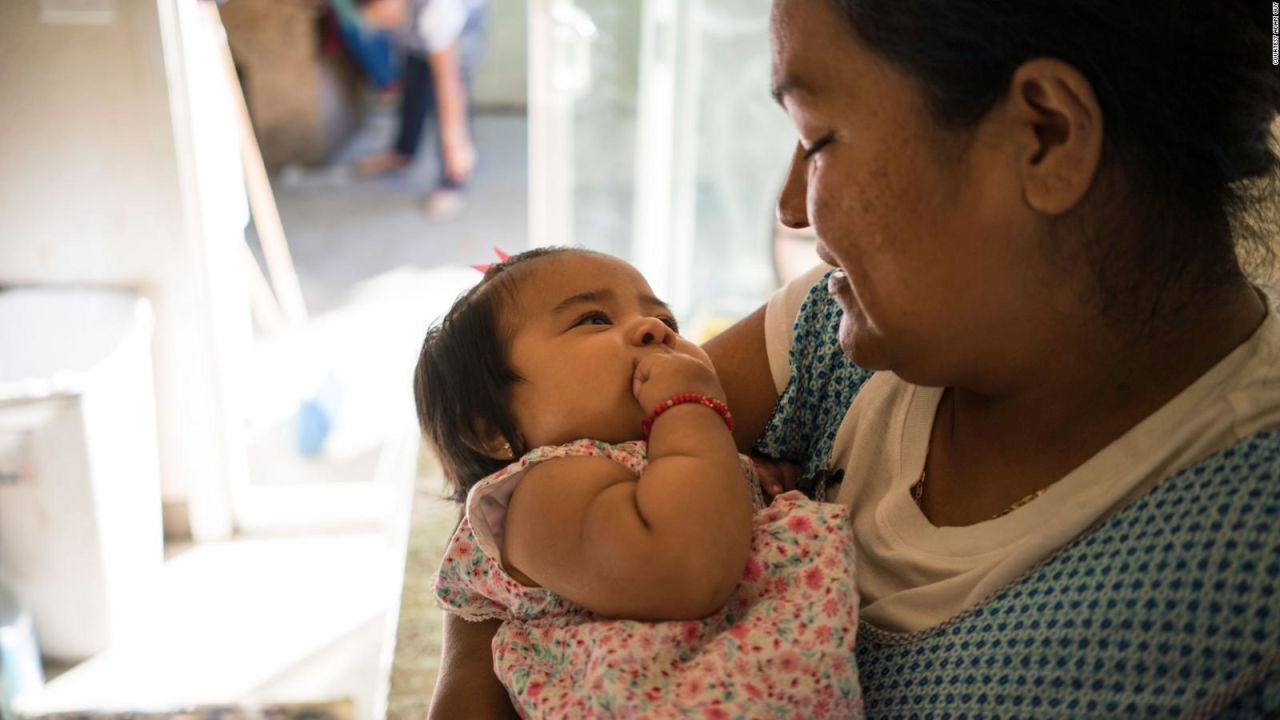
x: 88, y: 180
x: 96, y: 188
x: 502, y: 78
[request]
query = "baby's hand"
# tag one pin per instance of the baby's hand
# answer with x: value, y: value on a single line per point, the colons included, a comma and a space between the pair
x: 660, y: 375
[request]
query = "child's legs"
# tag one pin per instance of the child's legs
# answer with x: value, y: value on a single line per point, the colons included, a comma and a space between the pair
x: 417, y: 101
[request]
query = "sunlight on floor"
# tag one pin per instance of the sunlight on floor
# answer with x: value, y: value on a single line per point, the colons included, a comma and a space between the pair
x: 229, y: 620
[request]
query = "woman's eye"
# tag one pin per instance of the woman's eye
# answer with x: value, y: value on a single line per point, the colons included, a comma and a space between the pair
x: 817, y: 145
x: 595, y: 317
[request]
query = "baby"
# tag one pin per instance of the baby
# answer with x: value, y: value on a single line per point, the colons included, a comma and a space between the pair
x: 610, y: 522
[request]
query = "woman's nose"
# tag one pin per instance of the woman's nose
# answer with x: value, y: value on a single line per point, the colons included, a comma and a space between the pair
x: 651, y: 331
x: 791, y: 203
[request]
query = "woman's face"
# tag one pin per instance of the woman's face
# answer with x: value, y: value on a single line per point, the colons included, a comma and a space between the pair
x: 941, y: 260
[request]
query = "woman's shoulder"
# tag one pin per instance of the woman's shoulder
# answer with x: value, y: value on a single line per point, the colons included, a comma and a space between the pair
x: 820, y: 384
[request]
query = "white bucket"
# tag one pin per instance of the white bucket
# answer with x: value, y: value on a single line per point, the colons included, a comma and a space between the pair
x: 20, y: 669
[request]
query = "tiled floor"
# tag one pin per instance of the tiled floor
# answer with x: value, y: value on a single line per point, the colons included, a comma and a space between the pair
x: 343, y: 230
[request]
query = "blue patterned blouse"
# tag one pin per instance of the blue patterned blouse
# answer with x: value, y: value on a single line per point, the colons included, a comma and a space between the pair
x: 1170, y: 608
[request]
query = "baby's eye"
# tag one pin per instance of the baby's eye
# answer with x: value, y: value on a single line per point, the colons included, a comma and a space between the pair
x: 671, y: 323
x: 594, y: 317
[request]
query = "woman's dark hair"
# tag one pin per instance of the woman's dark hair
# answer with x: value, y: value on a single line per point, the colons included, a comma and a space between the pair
x: 1187, y: 92
x: 463, y: 379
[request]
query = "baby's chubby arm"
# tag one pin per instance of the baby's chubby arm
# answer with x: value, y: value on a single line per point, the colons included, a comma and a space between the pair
x: 670, y: 546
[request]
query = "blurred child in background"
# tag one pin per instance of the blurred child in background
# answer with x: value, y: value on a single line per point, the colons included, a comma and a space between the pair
x: 442, y: 40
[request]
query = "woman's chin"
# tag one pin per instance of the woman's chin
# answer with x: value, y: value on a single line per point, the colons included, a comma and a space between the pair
x: 856, y: 344
x: 867, y: 348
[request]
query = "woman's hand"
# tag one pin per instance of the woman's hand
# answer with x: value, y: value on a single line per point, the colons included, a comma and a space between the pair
x: 776, y: 476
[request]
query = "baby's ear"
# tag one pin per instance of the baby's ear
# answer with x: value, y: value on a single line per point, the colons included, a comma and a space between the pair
x: 487, y: 440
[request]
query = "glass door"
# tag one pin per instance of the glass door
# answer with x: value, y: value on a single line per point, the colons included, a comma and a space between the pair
x: 583, y: 80
x: 653, y: 137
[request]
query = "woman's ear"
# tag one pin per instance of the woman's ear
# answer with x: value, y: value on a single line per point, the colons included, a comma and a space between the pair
x: 1057, y: 126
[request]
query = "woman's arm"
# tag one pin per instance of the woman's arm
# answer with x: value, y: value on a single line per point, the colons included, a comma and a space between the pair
x: 467, y: 687
x: 742, y: 362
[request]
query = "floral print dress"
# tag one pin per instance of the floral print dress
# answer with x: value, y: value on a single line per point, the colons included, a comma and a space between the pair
x: 782, y: 647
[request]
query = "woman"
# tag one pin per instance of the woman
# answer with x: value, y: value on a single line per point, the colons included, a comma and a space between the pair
x: 1051, y: 387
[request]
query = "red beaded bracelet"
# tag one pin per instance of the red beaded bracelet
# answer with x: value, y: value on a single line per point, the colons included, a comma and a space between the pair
x: 682, y: 398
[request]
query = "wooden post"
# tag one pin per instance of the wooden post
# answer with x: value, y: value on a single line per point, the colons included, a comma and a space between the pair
x: 262, y: 203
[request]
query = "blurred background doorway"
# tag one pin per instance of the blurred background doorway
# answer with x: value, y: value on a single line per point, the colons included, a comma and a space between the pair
x: 216, y: 503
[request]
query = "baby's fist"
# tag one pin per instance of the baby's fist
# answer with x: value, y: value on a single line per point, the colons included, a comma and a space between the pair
x: 659, y: 376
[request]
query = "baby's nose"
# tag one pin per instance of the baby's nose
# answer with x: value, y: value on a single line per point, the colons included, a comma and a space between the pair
x: 651, y: 330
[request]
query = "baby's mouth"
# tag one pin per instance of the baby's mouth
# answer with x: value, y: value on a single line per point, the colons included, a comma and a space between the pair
x: 640, y: 355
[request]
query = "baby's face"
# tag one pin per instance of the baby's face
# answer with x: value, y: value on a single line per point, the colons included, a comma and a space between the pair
x: 580, y: 323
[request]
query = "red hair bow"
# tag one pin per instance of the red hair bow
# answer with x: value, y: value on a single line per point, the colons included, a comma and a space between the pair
x: 502, y: 257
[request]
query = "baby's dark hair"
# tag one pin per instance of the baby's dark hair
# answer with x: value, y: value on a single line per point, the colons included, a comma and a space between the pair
x: 462, y: 384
